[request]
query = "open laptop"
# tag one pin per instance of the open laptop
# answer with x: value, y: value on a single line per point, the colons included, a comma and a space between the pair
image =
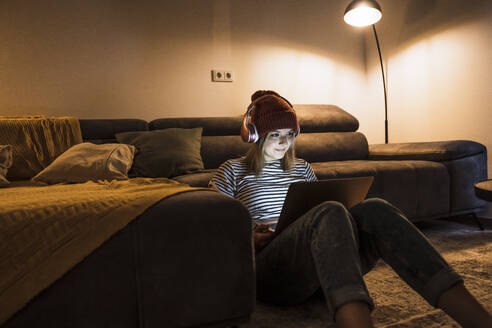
x: 302, y: 196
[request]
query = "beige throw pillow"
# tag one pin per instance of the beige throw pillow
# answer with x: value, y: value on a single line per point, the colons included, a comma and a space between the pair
x: 5, y: 162
x: 88, y: 161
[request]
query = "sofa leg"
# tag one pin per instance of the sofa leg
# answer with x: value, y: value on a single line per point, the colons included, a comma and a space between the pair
x: 478, y: 221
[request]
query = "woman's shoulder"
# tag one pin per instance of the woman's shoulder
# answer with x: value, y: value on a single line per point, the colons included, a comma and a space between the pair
x: 300, y: 162
x: 239, y: 160
x: 234, y: 163
x: 304, y: 168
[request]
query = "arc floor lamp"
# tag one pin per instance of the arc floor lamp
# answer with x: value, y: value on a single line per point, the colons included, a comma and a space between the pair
x: 364, y: 13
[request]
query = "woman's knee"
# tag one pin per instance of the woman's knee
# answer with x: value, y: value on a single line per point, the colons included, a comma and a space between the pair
x: 332, y: 225
x: 377, y: 211
x: 375, y: 205
x: 376, y: 202
x: 330, y: 213
x: 331, y: 205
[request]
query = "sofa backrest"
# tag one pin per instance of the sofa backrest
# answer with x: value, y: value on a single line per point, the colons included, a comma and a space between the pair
x: 328, y: 133
x: 103, y: 130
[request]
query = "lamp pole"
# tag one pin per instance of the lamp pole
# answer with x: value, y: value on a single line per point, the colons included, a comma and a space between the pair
x: 365, y: 13
x: 384, y: 87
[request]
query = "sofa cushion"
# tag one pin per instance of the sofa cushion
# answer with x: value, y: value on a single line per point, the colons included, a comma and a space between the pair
x: 312, y: 118
x: 331, y: 146
x: 104, y: 130
x: 87, y: 161
x: 218, y: 149
x: 313, y: 147
x: 165, y: 153
x: 418, y: 188
x: 325, y: 118
x: 197, y: 179
x: 428, y: 151
x: 212, y: 126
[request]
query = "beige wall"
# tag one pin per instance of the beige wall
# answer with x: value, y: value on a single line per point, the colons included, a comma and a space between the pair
x: 438, y: 58
x: 150, y: 59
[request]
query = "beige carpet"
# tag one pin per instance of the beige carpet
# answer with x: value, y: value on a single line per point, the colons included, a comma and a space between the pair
x: 461, y: 243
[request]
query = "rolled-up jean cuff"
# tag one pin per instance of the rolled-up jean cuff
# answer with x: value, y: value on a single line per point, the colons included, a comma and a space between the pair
x: 440, y: 282
x: 346, y: 294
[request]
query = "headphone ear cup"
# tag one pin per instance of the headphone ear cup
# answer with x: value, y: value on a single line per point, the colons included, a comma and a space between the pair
x: 253, y: 133
x: 248, y: 131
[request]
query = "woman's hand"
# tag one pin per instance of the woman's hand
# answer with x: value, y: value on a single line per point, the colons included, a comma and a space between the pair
x: 262, y: 236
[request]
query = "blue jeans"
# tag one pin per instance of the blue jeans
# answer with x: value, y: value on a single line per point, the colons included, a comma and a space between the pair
x: 333, y: 248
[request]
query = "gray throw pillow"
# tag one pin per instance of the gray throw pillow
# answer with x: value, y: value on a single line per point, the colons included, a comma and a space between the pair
x: 165, y: 153
x: 5, y: 162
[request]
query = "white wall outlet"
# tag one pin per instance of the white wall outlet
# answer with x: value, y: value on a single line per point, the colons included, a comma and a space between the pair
x: 228, y: 76
x: 222, y: 76
x: 217, y: 75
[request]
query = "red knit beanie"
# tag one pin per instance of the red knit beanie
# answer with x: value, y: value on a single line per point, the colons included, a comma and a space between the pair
x: 271, y: 112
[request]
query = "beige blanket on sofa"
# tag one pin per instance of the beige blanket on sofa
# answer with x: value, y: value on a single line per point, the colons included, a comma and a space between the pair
x: 36, y: 141
x: 46, y: 230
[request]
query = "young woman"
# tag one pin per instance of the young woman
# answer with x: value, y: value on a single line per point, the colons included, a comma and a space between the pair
x: 329, y: 247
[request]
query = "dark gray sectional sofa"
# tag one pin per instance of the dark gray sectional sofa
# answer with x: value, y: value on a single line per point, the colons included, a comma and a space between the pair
x: 188, y: 260
x: 425, y: 180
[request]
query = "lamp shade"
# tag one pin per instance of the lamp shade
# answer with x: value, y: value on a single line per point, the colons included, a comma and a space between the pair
x: 362, y: 13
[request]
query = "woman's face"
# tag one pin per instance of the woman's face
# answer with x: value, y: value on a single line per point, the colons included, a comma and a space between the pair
x: 277, y: 143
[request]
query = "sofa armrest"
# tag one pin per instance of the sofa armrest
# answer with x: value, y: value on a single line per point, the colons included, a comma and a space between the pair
x: 196, y: 260
x: 428, y: 151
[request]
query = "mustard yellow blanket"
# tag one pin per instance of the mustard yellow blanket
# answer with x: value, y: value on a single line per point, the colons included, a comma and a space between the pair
x: 36, y: 141
x: 46, y: 230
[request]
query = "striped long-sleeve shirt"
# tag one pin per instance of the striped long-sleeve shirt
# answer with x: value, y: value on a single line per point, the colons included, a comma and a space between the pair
x: 262, y: 195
